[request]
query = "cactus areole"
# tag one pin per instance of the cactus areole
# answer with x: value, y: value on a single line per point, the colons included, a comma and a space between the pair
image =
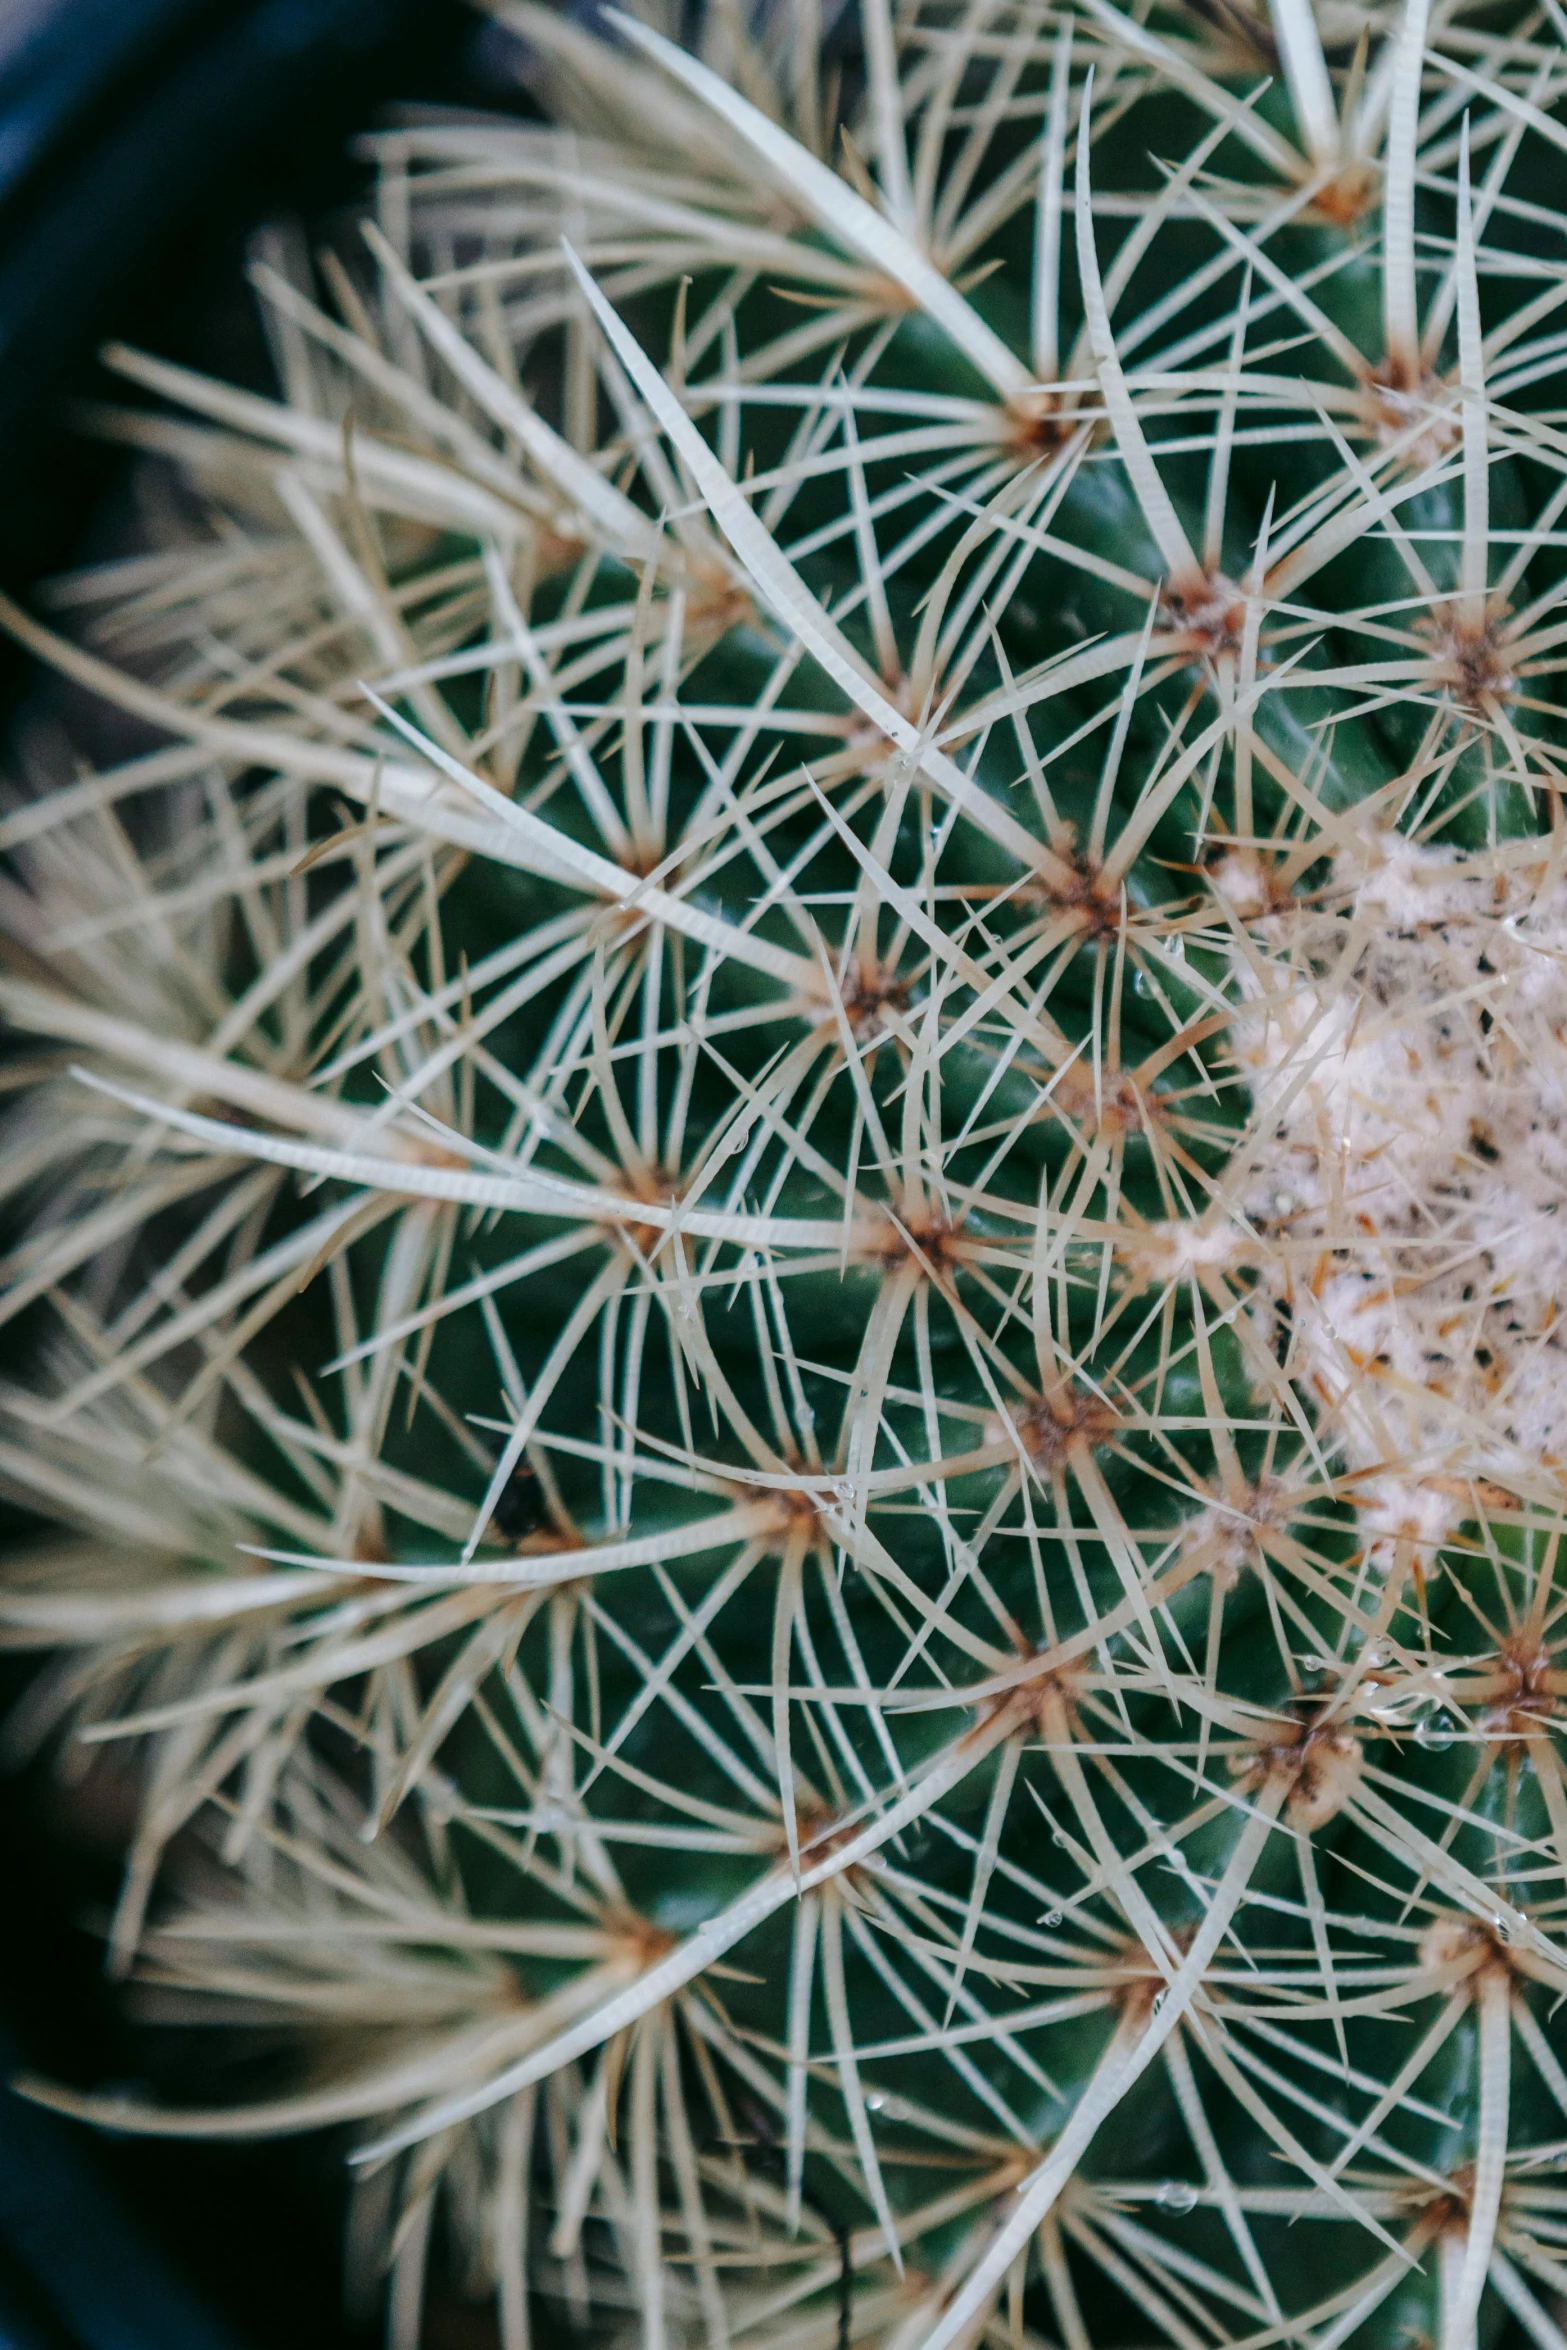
x: 788, y: 1184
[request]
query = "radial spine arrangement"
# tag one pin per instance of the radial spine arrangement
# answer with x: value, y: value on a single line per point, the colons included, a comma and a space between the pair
x: 786, y: 1183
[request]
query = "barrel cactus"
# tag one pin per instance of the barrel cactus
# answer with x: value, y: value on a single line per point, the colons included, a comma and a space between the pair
x: 786, y: 1183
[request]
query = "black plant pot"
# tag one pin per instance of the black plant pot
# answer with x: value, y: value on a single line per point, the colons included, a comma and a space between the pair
x: 78, y: 2269
x: 140, y: 142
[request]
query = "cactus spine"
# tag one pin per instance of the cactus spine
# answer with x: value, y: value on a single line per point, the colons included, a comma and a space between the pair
x: 790, y: 1184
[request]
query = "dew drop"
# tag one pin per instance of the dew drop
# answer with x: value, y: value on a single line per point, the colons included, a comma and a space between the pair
x: 875, y: 2102
x: 1053, y: 1918
x: 1177, y: 2195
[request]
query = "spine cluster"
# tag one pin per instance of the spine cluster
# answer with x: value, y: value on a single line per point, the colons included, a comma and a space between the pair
x: 788, y: 1175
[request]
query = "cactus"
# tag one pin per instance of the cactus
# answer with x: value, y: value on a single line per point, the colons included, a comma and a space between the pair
x: 788, y: 1183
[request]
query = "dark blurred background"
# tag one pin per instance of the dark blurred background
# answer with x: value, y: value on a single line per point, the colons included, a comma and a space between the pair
x: 141, y: 143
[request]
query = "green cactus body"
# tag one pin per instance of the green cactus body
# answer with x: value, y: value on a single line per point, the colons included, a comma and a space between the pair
x: 791, y: 1185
